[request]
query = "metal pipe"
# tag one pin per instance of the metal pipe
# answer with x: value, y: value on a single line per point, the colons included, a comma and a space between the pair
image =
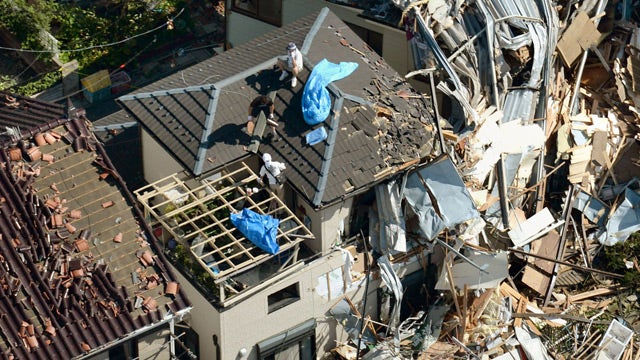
x: 437, y: 113
x: 366, y: 293
x: 566, y: 211
x: 502, y: 191
x: 172, y: 343
x: 575, y: 266
x: 458, y: 253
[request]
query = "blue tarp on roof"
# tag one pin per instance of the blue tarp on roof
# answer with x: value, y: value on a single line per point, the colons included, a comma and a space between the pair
x: 259, y: 229
x: 316, y: 136
x: 316, y: 103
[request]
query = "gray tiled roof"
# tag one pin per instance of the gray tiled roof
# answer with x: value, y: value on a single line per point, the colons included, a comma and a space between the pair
x: 25, y: 112
x: 362, y: 148
x: 181, y: 118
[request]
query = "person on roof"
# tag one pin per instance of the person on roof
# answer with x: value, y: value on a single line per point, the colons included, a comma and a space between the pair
x: 262, y: 103
x: 291, y: 62
x: 273, y: 170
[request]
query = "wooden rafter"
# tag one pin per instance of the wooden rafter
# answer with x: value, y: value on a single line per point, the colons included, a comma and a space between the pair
x: 222, y: 249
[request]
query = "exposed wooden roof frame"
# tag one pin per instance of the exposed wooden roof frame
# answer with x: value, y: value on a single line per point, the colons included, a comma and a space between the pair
x: 231, y: 252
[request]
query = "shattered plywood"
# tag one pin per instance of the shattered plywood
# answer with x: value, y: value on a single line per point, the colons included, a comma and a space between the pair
x: 537, y: 273
x: 579, y: 36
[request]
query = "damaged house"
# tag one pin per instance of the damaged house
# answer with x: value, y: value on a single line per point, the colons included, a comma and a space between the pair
x: 82, y: 275
x: 347, y: 246
x: 537, y: 102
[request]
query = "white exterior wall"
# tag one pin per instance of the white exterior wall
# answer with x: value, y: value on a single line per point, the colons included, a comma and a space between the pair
x: 326, y: 223
x: 156, y: 161
x: 335, y: 223
x: 248, y: 323
x: 203, y: 318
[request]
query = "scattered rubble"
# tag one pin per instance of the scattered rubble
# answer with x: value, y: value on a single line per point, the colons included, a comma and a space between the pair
x: 536, y: 245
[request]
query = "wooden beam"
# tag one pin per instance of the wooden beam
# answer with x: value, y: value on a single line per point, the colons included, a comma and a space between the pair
x: 584, y: 268
x: 592, y: 293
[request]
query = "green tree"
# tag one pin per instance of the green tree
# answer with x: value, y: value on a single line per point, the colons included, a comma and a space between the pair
x: 26, y: 19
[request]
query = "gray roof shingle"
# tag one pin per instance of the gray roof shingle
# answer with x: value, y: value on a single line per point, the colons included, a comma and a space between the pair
x: 25, y: 113
x: 374, y: 127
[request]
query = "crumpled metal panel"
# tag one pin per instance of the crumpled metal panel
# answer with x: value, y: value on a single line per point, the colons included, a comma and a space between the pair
x: 392, y: 281
x: 344, y: 315
x: 392, y: 226
x: 431, y: 224
x: 454, y: 201
x: 592, y: 208
x: 624, y: 221
x: 520, y: 104
x: 439, y: 180
x: 523, y: 15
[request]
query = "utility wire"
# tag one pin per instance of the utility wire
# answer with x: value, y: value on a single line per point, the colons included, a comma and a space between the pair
x: 168, y: 24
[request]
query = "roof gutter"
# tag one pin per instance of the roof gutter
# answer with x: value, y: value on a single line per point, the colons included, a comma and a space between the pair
x: 179, y: 315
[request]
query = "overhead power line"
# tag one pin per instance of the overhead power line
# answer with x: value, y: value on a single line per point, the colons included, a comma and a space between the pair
x: 168, y: 24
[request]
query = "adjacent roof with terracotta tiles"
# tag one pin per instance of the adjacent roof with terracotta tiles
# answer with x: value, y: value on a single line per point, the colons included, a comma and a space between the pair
x: 378, y: 124
x: 80, y: 268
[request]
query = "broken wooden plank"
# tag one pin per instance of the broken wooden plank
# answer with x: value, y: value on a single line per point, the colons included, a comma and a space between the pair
x: 532, y: 227
x: 536, y: 280
x: 593, y: 293
x: 521, y: 308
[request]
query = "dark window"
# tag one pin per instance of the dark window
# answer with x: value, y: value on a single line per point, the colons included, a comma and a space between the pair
x: 372, y: 38
x: 284, y: 297
x: 124, y: 351
x: 298, y: 343
x: 303, y: 349
x: 187, y: 342
x: 269, y: 11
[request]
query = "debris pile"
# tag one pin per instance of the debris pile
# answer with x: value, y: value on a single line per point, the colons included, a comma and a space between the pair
x: 533, y: 235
